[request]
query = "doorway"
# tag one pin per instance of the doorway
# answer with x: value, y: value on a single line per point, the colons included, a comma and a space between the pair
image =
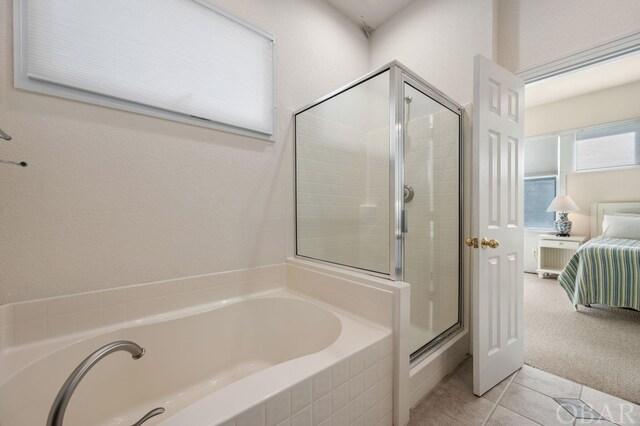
x: 582, y: 136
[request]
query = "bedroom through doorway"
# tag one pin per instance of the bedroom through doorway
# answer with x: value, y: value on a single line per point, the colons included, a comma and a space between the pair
x: 582, y: 225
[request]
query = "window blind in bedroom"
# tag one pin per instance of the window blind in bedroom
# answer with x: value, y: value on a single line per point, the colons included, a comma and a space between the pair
x: 180, y: 59
x: 615, y: 145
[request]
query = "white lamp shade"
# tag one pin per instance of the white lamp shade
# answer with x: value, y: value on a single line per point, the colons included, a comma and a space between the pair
x: 562, y: 203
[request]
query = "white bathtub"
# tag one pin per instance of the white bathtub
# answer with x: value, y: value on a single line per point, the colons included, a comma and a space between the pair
x: 251, y: 360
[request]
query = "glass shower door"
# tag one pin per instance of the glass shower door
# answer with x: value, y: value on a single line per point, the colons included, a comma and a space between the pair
x: 431, y: 205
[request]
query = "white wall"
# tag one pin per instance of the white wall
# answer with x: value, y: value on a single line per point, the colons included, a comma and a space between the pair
x: 112, y: 198
x: 534, y: 32
x: 604, y: 106
x: 606, y: 186
x: 438, y: 39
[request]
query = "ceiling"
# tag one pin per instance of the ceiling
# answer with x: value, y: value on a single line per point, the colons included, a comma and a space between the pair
x: 597, y: 77
x: 374, y: 12
x: 590, y: 79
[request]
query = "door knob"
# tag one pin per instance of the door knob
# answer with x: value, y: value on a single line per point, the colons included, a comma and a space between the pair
x: 471, y: 242
x: 490, y: 243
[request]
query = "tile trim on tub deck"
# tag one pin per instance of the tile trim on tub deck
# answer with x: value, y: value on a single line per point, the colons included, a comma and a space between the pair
x: 356, y: 390
x: 370, y: 298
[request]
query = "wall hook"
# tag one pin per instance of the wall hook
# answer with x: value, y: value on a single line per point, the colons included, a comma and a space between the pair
x: 15, y: 163
x: 4, y: 135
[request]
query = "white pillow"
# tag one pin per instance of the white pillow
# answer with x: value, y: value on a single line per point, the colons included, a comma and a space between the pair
x: 621, y: 227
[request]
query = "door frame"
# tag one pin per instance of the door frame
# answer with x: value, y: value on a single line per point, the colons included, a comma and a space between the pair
x: 597, y: 53
x: 600, y: 52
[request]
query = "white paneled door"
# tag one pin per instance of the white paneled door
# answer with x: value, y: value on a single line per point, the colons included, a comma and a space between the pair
x: 497, y: 224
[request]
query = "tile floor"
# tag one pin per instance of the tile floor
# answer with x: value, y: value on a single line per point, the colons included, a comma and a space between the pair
x: 528, y: 397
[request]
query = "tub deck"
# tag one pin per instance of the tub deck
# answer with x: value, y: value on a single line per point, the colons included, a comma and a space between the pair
x: 204, y: 365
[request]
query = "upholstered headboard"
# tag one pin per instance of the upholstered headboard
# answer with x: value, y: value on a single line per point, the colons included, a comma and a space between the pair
x: 598, y: 210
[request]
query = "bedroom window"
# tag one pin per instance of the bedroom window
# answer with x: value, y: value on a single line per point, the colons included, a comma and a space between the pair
x: 611, y: 146
x: 538, y: 194
x: 541, y: 159
x: 182, y: 60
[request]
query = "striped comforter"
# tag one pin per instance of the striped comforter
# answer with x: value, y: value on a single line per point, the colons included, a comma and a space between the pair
x: 604, y: 271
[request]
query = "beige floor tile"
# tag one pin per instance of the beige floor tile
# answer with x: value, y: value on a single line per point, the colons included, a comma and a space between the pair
x: 611, y: 408
x: 431, y: 416
x: 535, y: 406
x: 546, y: 383
x: 461, y: 405
x: 496, y: 392
x: 584, y: 422
x: 504, y: 417
x: 462, y: 377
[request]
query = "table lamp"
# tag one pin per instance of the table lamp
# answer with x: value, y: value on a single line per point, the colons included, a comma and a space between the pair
x: 562, y: 204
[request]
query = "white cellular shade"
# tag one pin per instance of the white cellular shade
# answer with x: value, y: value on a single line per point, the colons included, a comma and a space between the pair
x: 615, y: 145
x: 175, y: 55
x: 541, y: 156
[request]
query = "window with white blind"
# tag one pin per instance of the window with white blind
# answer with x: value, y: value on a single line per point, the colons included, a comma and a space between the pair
x: 541, y: 169
x: 541, y: 156
x: 184, y: 60
x: 614, y: 145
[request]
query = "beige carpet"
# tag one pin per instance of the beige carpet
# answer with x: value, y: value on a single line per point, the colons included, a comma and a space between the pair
x: 598, y: 347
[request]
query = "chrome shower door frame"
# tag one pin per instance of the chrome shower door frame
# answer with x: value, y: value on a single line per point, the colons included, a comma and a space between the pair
x: 398, y: 76
x: 406, y: 76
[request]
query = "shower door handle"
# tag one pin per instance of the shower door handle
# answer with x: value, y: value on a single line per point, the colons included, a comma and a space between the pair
x: 404, y: 225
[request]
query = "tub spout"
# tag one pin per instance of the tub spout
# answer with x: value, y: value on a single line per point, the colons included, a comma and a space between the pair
x: 56, y: 415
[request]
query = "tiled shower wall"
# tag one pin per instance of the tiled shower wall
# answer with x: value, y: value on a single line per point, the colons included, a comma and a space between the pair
x: 330, y: 174
x: 343, y: 205
x: 374, y: 211
x: 343, y: 190
x: 355, y: 391
x: 431, y: 245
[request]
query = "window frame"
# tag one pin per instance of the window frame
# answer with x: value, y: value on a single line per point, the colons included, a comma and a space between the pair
x: 22, y: 80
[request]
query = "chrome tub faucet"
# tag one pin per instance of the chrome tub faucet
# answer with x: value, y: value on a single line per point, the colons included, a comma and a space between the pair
x: 56, y: 415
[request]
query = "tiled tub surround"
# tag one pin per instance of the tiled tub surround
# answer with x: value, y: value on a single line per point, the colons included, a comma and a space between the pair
x: 193, y: 354
x: 354, y: 391
x: 375, y: 299
x: 27, y: 322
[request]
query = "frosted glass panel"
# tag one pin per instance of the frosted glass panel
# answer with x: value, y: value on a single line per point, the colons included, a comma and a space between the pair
x: 431, y: 244
x: 342, y: 178
x: 174, y: 55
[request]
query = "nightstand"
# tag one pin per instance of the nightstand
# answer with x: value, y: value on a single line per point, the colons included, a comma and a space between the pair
x: 554, y: 253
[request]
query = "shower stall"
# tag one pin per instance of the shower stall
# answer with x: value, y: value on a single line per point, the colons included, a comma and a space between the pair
x: 379, y: 190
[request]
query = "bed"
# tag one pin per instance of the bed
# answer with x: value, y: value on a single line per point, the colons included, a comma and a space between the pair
x: 606, y: 270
